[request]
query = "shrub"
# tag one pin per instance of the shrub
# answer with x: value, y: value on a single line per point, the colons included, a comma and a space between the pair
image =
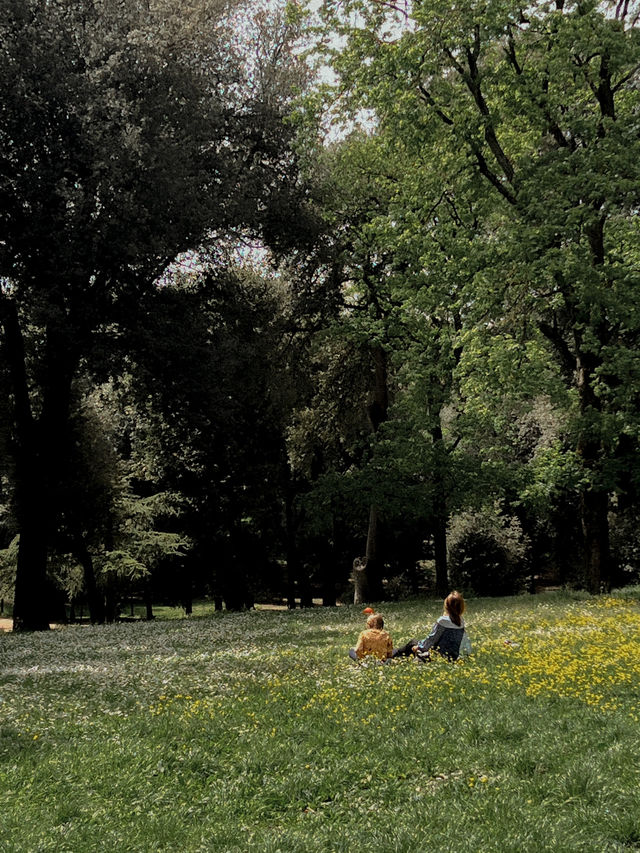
x: 625, y: 547
x: 488, y: 553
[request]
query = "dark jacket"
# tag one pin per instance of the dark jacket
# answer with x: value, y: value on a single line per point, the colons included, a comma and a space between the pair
x: 445, y: 637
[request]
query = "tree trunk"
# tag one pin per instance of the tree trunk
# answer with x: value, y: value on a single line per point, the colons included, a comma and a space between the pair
x: 292, y: 558
x: 235, y: 589
x: 148, y: 601
x: 594, y: 499
x: 441, y: 516
x: 94, y: 599
x: 304, y: 586
x: 112, y: 605
x: 440, y: 554
x: 594, y: 512
x: 595, y: 538
x: 378, y: 413
x: 30, y: 607
x: 373, y: 562
x: 359, y: 577
x: 39, y: 453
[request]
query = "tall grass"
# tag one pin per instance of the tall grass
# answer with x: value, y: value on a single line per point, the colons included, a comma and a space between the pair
x: 254, y: 732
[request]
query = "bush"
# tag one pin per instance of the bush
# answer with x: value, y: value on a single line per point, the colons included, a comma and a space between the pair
x: 488, y: 553
x: 625, y: 547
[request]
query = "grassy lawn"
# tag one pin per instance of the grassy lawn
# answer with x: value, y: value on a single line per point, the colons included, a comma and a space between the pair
x: 254, y: 732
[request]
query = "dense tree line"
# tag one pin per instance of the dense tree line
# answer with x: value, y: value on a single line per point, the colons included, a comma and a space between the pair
x: 506, y: 140
x: 242, y: 357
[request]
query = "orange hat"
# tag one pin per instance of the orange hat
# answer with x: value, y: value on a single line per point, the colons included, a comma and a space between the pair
x: 368, y: 610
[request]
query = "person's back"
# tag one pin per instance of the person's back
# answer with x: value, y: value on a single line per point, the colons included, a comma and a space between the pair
x: 447, y: 637
x: 374, y: 641
x: 447, y: 633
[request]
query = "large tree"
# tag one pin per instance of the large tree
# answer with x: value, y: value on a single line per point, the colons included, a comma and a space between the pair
x: 129, y: 133
x: 214, y: 429
x: 533, y: 108
x: 385, y: 366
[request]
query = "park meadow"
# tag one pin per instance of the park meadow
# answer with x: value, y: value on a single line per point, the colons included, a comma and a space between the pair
x: 254, y: 732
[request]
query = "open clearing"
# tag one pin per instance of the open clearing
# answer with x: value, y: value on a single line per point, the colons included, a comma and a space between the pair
x: 254, y: 732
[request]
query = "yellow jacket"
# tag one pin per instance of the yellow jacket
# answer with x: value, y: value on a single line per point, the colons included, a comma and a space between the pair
x: 374, y: 641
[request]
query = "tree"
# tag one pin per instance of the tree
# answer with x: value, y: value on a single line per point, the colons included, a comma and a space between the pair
x: 532, y: 110
x: 387, y: 357
x: 214, y: 430
x: 124, y: 142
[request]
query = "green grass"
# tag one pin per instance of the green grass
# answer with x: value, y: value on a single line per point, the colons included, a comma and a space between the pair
x: 254, y: 732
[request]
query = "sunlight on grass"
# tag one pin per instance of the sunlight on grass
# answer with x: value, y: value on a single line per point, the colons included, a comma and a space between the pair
x: 253, y: 731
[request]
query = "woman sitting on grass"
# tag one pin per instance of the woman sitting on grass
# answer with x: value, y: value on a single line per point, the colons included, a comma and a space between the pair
x: 446, y: 635
x: 374, y: 641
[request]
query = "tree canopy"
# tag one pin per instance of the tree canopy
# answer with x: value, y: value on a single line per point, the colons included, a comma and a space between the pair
x: 259, y: 327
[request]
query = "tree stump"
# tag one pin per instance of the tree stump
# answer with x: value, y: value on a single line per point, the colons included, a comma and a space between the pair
x: 359, y: 578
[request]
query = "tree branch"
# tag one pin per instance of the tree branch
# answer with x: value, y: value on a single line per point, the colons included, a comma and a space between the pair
x: 625, y: 79
x: 472, y: 80
x: 621, y: 10
x: 605, y: 92
x: 428, y: 98
x: 491, y: 176
x: 404, y: 12
x: 554, y: 336
x: 553, y: 126
x: 510, y: 52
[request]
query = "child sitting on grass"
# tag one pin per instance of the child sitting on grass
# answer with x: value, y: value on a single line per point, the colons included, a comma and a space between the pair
x: 447, y: 635
x: 374, y: 641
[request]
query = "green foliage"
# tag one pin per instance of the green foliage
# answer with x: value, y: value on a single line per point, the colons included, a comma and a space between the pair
x: 450, y: 319
x: 8, y: 561
x: 142, y: 546
x: 488, y: 552
x: 132, y: 138
x: 518, y: 133
x: 625, y: 545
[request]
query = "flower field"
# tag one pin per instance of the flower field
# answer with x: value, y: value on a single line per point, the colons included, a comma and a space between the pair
x: 255, y: 732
